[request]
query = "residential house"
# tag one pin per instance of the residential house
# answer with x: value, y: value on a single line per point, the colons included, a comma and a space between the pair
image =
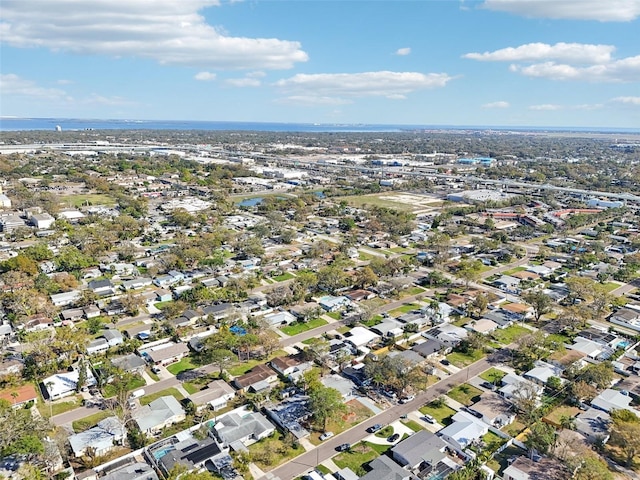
x: 19, y: 396
x: 610, y: 399
x: 219, y: 311
x: 360, y: 337
x: 359, y: 295
x: 430, y: 348
x: 42, y: 221
x: 11, y: 366
x: 508, y: 283
x: 500, y: 317
x: 519, y: 310
x: 333, y: 304
x: 131, y: 363
x: 291, y: 367
x: 542, y: 372
x: 102, y: 288
x: 216, y: 395
x: 38, y: 322
x: 627, y: 317
x: 100, y: 439
x: 545, y: 468
x: 91, y: 311
x: 258, y: 379
x: 132, y: 471
x: 136, y: 283
x: 163, y: 295
x: 594, y: 425
x: 447, y: 334
x: 5, y: 330
x: 464, y: 430
x: 63, y: 384
x: 290, y: 414
x: 72, y: 314
x: 279, y: 318
x: 109, y: 338
x: 389, y: 327
x: 159, y: 414
x: 420, y: 450
x: 483, y: 326
x: 494, y: 410
x: 384, y: 468
x: 514, y: 385
x: 241, y: 427
x: 166, y: 353
x: 194, y: 454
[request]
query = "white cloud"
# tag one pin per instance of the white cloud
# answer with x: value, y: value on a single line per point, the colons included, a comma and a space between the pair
x: 63, y: 81
x: 624, y: 70
x: 256, y: 74
x: 243, y: 82
x: 546, y: 107
x: 11, y: 84
x: 366, y: 84
x: 499, y: 104
x: 599, y: 10
x: 628, y: 100
x: 312, y: 100
x: 205, y: 76
x: 95, y: 99
x: 403, y: 51
x: 565, y: 52
x: 168, y: 31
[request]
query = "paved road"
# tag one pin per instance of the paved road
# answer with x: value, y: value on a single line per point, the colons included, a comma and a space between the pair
x: 73, y: 415
x: 326, y: 450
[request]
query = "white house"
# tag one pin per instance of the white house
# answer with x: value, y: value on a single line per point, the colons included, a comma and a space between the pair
x: 360, y: 337
x: 63, y: 384
x: 101, y: 438
x: 158, y: 414
x: 464, y: 430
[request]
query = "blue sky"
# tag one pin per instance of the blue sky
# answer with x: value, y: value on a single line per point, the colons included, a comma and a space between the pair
x: 449, y: 62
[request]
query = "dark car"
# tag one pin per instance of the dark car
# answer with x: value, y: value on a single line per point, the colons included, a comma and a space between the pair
x: 444, y: 361
x: 488, y: 385
x: 393, y: 437
x: 343, y: 447
x: 374, y: 428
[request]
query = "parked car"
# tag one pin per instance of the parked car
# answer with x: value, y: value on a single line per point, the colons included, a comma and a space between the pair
x: 326, y: 436
x: 374, y: 428
x: 444, y: 361
x: 488, y: 385
x: 343, y: 447
x: 393, y: 437
x: 407, y: 399
x: 429, y: 419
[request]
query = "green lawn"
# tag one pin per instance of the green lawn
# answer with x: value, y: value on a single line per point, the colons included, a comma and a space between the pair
x: 442, y: 414
x: 403, y: 309
x: 296, y: 328
x: 357, y: 457
x: 91, y: 421
x: 514, y: 428
x: 151, y: 374
x: 136, y: 382
x: 385, y: 432
x: 610, y: 286
x: 413, y: 291
x: 191, y: 387
x: 514, y: 270
x: 462, y: 360
x: 270, y: 452
x: 493, y: 375
x: 59, y: 407
x: 240, y: 368
x: 344, y: 329
x: 375, y: 200
x: 161, y: 305
x: 465, y: 394
x: 283, y: 277
x: 184, y: 364
x: 356, y: 413
x: 153, y: 396
x: 501, y: 460
x: 562, y: 411
x: 334, y: 315
x: 375, y: 320
x: 364, y: 256
x: 510, y: 334
x: 492, y: 441
x: 413, y: 425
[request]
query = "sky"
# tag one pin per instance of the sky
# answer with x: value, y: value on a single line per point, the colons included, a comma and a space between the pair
x: 451, y: 62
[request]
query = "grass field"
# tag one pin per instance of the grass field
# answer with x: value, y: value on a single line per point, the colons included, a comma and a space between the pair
x: 493, y: 375
x: 462, y: 360
x: 283, y: 277
x: 296, y: 328
x: 59, y: 407
x: 375, y: 200
x: 510, y: 334
x: 403, y: 309
x: 270, y: 452
x: 91, y: 421
x: 359, y: 455
x: 442, y: 413
x: 413, y: 425
x: 334, y: 315
x: 136, y: 382
x: 243, y: 367
x: 465, y: 394
x: 82, y: 200
x: 153, y: 396
x: 181, y: 366
x: 356, y: 413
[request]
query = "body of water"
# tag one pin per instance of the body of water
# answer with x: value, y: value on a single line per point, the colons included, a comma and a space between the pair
x: 74, y: 124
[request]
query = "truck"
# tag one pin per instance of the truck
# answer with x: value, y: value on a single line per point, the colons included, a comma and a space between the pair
x: 136, y: 394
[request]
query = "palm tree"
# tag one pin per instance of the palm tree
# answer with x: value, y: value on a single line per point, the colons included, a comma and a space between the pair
x: 14, y: 395
x: 49, y: 385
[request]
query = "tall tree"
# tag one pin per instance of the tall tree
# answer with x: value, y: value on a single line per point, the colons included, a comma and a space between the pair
x: 625, y: 433
x: 541, y: 303
x: 326, y: 404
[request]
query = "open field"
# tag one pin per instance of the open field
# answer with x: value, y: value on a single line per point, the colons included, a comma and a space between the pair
x: 408, y: 202
x: 83, y: 200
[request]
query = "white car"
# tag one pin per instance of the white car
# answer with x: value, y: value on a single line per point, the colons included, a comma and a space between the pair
x: 429, y: 418
x: 326, y: 436
x: 407, y: 399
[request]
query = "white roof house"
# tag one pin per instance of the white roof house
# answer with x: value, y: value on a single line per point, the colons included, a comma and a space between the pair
x: 62, y: 384
x: 361, y: 337
x: 464, y: 430
x: 158, y: 414
x: 610, y: 399
x: 101, y: 438
x: 542, y: 372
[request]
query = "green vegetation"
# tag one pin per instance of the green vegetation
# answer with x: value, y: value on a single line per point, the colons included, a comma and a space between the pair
x: 90, y: 421
x: 403, y: 309
x: 185, y: 363
x: 153, y: 396
x: 356, y: 413
x: 465, y: 394
x: 375, y: 200
x: 493, y: 375
x: 373, y: 321
x: 270, y: 452
x: 413, y: 425
x: 82, y: 200
x: 191, y: 388
x: 334, y: 315
x: 283, y: 277
x: 461, y: 360
x: 385, y: 432
x: 299, y: 327
x: 358, y: 456
x: 242, y: 367
x: 441, y: 412
x: 510, y: 334
x: 109, y: 390
x: 501, y: 460
x: 59, y: 407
